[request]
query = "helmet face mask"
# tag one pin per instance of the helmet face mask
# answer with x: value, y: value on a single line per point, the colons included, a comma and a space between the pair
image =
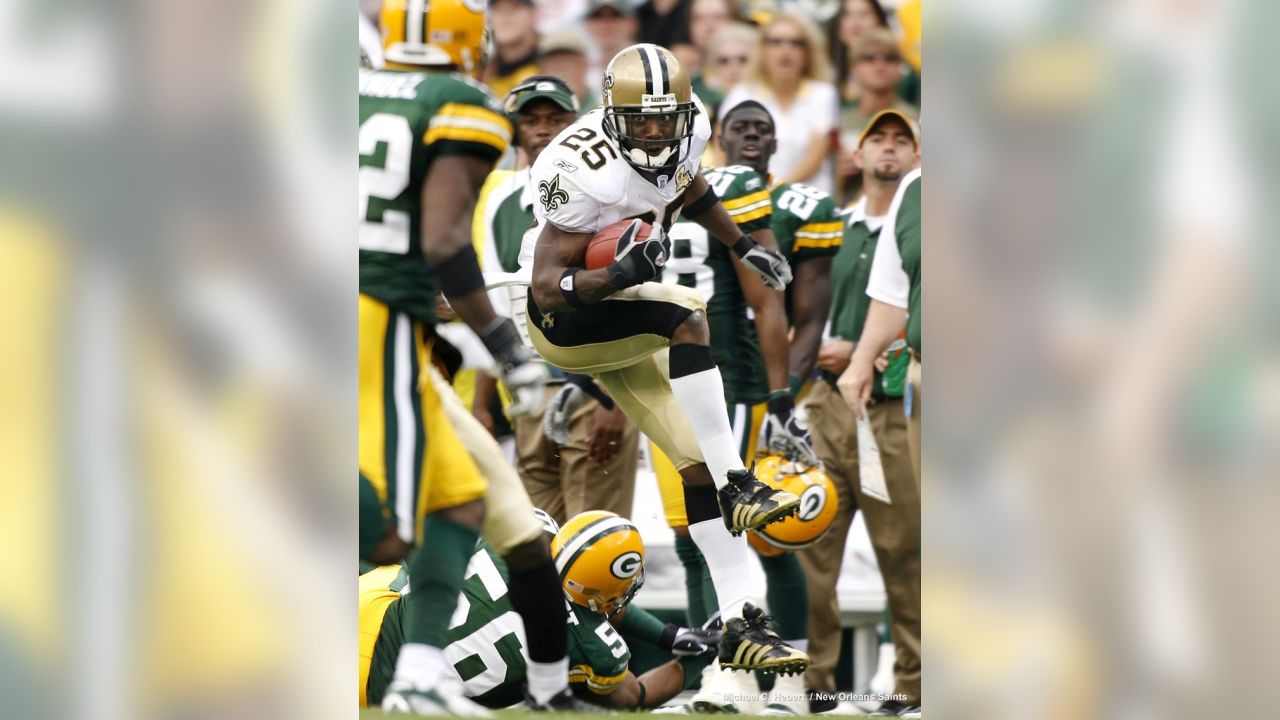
x: 648, y: 107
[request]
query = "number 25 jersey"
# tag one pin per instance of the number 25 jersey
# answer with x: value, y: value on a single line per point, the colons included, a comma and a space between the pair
x: 582, y: 184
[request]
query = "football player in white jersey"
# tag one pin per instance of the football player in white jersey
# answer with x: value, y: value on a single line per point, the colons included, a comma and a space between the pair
x: 648, y: 343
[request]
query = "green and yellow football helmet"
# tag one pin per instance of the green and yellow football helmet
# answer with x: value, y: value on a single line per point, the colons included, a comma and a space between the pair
x: 648, y: 107
x: 600, y: 558
x: 819, y: 503
x: 434, y: 33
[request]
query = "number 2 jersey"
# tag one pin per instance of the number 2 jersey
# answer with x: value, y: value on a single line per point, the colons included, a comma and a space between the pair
x: 487, y: 647
x: 582, y: 184
x: 805, y: 222
x: 407, y: 120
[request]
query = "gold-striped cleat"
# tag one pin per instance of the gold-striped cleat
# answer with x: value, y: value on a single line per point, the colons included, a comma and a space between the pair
x: 748, y: 504
x: 749, y: 644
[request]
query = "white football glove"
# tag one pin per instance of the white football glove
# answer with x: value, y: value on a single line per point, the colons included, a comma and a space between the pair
x: 519, y: 368
x: 785, y: 434
x: 555, y: 423
x: 771, y: 266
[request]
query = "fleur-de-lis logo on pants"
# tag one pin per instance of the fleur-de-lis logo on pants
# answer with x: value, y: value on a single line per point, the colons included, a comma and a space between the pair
x: 550, y: 194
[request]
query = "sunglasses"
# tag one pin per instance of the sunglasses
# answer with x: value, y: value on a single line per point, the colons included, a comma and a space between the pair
x: 883, y: 57
x: 736, y: 59
x: 793, y: 42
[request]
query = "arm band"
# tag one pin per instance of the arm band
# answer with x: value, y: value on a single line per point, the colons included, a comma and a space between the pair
x: 588, y: 386
x: 743, y: 245
x: 569, y: 289
x: 459, y: 274
x: 643, y: 692
x: 702, y: 204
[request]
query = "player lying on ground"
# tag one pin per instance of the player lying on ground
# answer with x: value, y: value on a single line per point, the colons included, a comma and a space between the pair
x: 647, y: 343
x: 602, y: 561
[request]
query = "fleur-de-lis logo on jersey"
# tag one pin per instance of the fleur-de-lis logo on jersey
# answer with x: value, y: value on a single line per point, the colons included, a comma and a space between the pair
x: 683, y: 178
x: 550, y: 194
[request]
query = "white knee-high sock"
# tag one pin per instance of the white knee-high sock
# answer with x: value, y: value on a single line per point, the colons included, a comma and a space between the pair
x: 701, y: 398
x: 727, y: 557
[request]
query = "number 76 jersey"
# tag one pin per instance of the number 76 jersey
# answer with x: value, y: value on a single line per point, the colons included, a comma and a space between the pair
x: 582, y: 184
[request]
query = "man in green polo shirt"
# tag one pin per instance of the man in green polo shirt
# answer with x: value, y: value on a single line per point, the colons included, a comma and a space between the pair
x: 887, y: 151
x: 894, y: 288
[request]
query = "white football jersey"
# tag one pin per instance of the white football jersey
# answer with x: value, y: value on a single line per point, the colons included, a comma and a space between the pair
x: 581, y: 183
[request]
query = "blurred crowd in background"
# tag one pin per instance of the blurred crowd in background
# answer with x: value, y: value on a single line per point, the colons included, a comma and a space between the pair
x: 821, y: 67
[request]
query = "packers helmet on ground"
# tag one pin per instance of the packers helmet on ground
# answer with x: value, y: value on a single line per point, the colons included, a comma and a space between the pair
x: 818, y: 504
x: 434, y: 33
x: 648, y: 107
x: 600, y: 558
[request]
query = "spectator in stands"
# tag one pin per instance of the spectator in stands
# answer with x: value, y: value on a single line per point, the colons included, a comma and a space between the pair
x: 611, y: 24
x: 789, y: 75
x: 854, y: 19
x: 564, y: 55
x: 706, y: 17
x: 728, y: 53
x: 877, y: 70
x: 515, y: 40
x: 888, y: 151
x: 664, y: 22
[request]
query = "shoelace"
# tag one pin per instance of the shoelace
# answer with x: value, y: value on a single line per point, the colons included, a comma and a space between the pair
x: 760, y: 623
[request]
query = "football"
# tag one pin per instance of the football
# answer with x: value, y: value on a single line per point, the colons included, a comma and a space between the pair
x: 605, y: 246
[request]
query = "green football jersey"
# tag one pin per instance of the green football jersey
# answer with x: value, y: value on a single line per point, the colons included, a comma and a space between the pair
x: 907, y: 234
x: 806, y: 223
x: 850, y: 271
x: 487, y: 641
x: 704, y: 263
x: 406, y: 121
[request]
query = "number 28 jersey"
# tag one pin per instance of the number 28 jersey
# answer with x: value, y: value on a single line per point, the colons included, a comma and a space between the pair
x: 582, y: 184
x: 407, y: 120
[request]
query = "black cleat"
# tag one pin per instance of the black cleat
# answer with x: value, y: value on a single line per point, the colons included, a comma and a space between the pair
x: 749, y: 644
x: 748, y: 504
x: 894, y: 708
x: 564, y: 701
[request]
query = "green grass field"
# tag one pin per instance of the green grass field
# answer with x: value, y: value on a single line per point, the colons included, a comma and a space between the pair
x: 510, y: 715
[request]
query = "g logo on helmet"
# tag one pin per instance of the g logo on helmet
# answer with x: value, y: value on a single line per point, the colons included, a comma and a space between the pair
x: 818, y: 506
x: 812, y: 500
x: 626, y: 565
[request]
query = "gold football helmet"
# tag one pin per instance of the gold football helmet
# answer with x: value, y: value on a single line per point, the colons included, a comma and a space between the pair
x: 648, y: 107
x: 600, y: 558
x: 435, y: 33
x: 818, y: 505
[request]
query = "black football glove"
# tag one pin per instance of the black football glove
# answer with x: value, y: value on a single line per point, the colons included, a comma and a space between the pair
x: 639, y: 261
x: 690, y: 642
x: 769, y: 265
